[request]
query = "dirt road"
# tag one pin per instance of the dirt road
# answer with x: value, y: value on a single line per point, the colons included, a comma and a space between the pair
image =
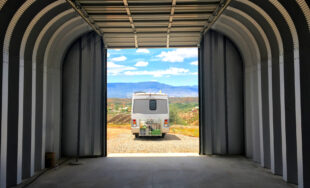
x: 122, y: 141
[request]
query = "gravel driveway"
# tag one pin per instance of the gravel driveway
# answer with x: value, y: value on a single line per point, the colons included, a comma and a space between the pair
x: 125, y: 142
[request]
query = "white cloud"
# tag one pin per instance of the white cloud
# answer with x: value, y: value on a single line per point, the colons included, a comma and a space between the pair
x: 113, y: 65
x: 143, y: 50
x: 115, y: 69
x: 159, y: 73
x: 141, y: 64
x: 121, y: 58
x: 194, y: 63
x: 194, y: 73
x: 108, y: 55
x: 178, y: 55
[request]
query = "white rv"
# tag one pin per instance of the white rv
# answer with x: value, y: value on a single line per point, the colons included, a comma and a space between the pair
x: 150, y: 114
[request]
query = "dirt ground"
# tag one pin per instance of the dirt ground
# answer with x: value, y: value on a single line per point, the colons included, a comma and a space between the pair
x: 122, y: 141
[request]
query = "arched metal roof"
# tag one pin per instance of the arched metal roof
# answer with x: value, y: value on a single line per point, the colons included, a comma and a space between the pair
x: 150, y: 23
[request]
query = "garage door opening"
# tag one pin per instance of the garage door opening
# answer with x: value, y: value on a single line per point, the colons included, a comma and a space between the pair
x: 152, y: 101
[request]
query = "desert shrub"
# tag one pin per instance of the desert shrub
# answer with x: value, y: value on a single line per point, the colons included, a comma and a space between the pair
x: 174, y: 116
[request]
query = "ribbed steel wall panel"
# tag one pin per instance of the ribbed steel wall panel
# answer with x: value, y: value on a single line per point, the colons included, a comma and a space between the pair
x: 221, y: 88
x: 282, y: 25
x: 5, y: 14
x: 87, y: 52
x: 244, y: 44
x: 26, y: 49
x: 302, y: 89
x: 22, y: 46
x: 262, y: 41
x: 31, y: 40
x: 14, y: 131
x: 277, y: 58
x: 276, y: 49
x: 60, y: 42
x: 255, y: 103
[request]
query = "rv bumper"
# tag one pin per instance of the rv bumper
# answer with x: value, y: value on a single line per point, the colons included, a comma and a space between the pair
x: 135, y: 130
x: 165, y: 130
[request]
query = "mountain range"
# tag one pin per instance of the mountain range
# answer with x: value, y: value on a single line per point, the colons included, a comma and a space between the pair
x: 125, y: 90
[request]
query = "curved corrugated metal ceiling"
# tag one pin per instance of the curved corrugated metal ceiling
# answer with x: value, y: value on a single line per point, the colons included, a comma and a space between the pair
x: 150, y: 23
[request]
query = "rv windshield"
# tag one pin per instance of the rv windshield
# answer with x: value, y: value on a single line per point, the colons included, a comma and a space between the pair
x: 153, y: 106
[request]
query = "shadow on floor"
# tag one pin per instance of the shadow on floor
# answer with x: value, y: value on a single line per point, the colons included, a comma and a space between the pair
x: 154, y: 138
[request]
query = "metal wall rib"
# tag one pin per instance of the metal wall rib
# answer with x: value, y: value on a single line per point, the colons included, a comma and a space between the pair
x: 262, y: 78
x: 55, y: 8
x: 277, y: 57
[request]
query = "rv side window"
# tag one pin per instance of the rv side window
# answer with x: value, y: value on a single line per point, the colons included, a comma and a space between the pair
x: 152, y: 104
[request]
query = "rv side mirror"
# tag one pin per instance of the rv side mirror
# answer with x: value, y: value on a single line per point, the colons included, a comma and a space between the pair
x: 152, y: 104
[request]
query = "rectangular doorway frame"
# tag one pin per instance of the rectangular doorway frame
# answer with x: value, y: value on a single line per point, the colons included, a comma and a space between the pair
x: 104, y: 117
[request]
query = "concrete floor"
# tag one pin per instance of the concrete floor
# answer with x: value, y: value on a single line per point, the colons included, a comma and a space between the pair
x: 201, y: 171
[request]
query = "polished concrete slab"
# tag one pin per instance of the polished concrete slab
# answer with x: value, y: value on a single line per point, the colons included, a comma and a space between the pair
x: 193, y: 171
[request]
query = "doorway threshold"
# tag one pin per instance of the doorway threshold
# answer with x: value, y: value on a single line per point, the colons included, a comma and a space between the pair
x: 153, y: 155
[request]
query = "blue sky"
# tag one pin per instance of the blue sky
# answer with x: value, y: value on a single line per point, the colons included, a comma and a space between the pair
x: 173, y: 66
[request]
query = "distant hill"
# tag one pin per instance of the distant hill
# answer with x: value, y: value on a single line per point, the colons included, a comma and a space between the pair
x: 125, y: 90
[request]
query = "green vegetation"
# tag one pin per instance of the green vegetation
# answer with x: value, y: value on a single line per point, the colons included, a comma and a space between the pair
x: 184, y: 115
x: 183, y: 111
